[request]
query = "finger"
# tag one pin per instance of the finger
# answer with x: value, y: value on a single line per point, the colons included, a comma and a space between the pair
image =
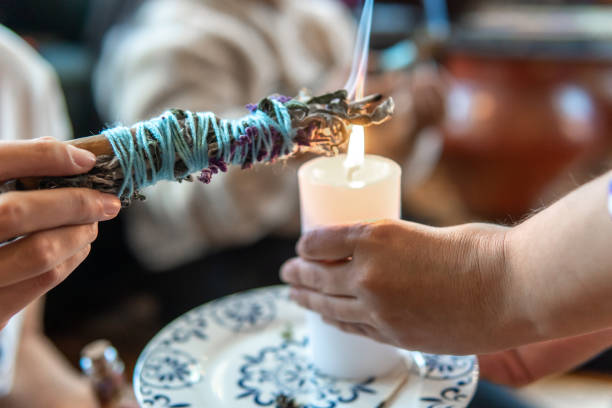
x: 329, y: 278
x: 16, y: 297
x: 345, y: 309
x: 360, y: 329
x: 42, y: 157
x: 43, y: 251
x: 330, y: 243
x: 24, y: 212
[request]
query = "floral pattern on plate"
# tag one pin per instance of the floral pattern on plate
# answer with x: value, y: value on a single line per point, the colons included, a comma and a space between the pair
x: 234, y: 352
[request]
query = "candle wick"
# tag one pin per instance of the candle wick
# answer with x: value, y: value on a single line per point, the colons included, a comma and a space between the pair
x: 350, y: 172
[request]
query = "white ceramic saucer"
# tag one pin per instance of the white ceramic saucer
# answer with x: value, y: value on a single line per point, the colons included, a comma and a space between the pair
x: 246, y: 349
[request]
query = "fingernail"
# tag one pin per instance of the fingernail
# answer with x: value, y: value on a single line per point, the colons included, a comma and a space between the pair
x: 82, y: 158
x: 112, y: 205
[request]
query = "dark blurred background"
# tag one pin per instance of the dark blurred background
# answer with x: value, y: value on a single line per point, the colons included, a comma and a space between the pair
x: 528, y: 117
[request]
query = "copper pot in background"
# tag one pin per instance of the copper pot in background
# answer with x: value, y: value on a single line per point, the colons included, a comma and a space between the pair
x: 516, y: 124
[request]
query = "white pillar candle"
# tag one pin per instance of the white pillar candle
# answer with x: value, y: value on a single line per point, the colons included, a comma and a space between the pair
x: 330, y: 194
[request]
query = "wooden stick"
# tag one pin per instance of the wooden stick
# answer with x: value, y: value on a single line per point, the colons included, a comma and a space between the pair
x: 98, y: 144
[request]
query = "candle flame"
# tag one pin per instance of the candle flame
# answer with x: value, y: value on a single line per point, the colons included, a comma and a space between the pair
x: 356, y: 149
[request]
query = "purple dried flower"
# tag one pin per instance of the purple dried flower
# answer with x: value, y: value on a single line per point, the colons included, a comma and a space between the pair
x: 303, y: 136
x: 301, y: 139
x: 243, y: 140
x: 281, y: 98
x: 205, y: 176
x: 262, y: 154
x: 252, y: 132
x: 275, y: 153
x: 214, y: 167
x: 220, y: 164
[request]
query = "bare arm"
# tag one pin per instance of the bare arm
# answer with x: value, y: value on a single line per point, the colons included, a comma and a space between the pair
x: 563, y: 259
x: 526, y: 364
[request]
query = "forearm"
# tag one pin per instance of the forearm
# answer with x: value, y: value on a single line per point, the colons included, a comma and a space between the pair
x: 561, y: 259
x: 562, y: 355
x: 529, y: 363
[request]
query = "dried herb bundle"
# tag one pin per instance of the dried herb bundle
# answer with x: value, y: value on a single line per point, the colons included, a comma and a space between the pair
x: 320, y: 125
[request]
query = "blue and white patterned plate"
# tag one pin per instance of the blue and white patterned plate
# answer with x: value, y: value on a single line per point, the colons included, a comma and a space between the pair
x: 246, y: 349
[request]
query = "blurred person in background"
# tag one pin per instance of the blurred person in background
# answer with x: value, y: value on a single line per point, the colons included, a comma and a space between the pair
x: 218, y: 55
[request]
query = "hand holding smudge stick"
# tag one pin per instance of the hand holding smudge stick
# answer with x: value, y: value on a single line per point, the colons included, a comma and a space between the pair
x: 179, y: 143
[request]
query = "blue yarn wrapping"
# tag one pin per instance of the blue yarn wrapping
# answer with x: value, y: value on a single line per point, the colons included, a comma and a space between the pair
x: 151, y: 153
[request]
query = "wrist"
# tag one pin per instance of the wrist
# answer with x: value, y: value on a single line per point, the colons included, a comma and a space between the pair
x: 505, y: 304
x: 519, y: 322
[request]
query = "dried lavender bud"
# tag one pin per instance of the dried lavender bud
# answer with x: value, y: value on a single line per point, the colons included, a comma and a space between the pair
x: 243, y: 139
x: 281, y: 98
x: 215, y: 166
x: 220, y: 164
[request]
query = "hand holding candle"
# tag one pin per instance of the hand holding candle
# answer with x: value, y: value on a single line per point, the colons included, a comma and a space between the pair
x: 439, y: 290
x: 337, y: 190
